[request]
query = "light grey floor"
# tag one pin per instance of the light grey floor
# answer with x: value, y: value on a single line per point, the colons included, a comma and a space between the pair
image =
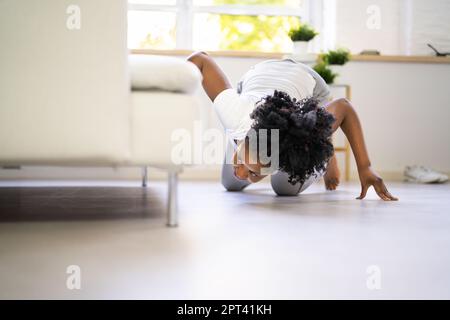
x: 250, y: 245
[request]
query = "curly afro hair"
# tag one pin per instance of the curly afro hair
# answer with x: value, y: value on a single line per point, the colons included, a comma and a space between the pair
x: 304, y: 131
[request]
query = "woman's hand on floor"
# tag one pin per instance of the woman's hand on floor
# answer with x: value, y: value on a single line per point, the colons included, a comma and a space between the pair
x: 332, y: 175
x: 368, y: 178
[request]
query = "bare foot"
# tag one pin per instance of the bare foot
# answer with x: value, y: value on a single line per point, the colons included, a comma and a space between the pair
x: 332, y: 175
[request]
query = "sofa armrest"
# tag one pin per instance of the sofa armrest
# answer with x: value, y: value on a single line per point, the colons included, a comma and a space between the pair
x: 155, y: 117
x: 149, y: 72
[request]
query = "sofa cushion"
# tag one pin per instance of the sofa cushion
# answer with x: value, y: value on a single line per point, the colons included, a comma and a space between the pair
x: 163, y: 73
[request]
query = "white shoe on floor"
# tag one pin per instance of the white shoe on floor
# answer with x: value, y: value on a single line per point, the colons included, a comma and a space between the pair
x: 442, y: 177
x: 422, y: 174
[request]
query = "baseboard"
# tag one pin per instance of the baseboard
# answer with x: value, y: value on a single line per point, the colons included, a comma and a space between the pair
x: 83, y: 173
x: 209, y: 173
x: 387, y: 175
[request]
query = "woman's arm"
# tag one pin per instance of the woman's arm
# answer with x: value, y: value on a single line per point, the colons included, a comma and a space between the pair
x: 347, y: 118
x: 214, y: 79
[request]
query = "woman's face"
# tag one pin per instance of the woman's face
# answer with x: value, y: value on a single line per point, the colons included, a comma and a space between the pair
x: 248, y: 168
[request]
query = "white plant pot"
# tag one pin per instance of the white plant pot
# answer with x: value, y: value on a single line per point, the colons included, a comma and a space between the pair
x: 301, y: 51
x: 301, y: 48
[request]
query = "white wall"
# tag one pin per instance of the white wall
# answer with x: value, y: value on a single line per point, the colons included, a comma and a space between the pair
x: 430, y: 23
x: 405, y: 110
x: 353, y: 32
x: 405, y: 27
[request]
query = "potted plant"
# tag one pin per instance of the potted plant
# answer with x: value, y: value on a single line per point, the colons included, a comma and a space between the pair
x: 325, y: 72
x: 336, y: 58
x: 300, y: 37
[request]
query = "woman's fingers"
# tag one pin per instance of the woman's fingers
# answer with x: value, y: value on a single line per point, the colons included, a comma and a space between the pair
x: 383, y: 193
x: 331, y: 184
x: 380, y: 192
x: 388, y: 194
x: 392, y: 197
x: 364, y: 188
x: 383, y: 196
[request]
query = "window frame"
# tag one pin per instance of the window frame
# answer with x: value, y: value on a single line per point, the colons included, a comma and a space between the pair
x: 185, y: 11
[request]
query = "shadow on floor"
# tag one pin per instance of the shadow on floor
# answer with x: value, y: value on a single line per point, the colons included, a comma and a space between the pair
x: 78, y: 203
x: 315, y: 202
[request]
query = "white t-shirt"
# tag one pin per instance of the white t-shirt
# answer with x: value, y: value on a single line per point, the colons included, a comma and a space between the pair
x: 234, y: 106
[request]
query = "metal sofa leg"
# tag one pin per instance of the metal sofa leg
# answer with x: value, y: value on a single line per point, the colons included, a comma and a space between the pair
x: 172, y: 199
x: 144, y: 176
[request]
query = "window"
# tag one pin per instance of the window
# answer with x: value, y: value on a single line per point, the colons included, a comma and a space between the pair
x: 251, y: 25
x: 151, y: 29
x: 392, y: 27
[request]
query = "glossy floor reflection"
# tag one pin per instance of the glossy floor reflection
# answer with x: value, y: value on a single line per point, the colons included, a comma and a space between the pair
x: 250, y: 245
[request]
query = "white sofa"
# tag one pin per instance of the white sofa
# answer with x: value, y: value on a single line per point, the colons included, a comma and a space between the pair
x: 65, y: 97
